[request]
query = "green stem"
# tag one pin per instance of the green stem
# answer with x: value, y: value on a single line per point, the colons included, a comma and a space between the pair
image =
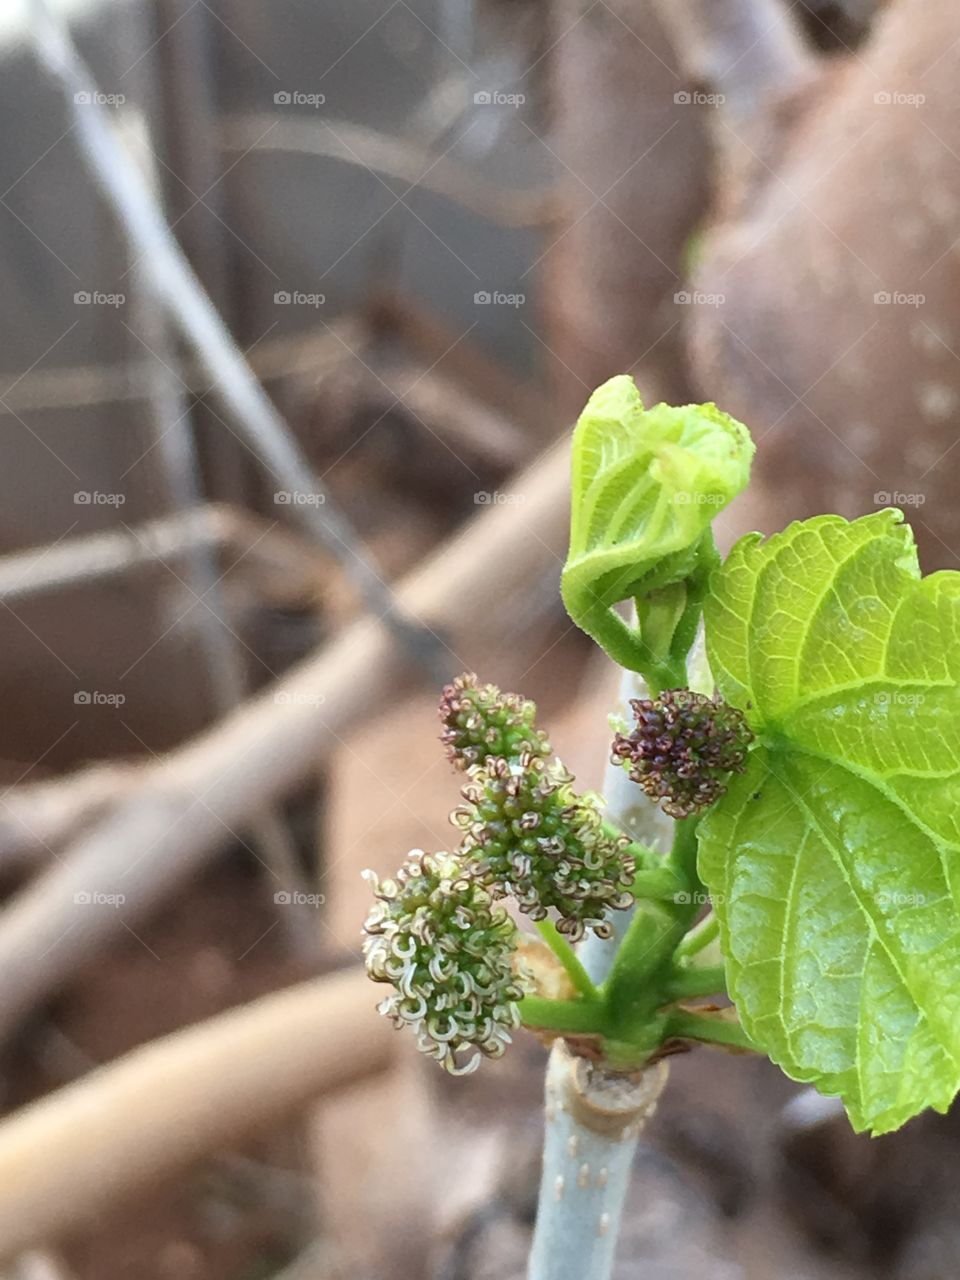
x: 658, y: 884
x: 709, y: 1029
x: 699, y: 938
x: 575, y: 1017
x: 706, y: 980
x: 635, y: 987
x: 632, y: 992
x: 643, y: 853
x: 697, y: 586
x: 683, y: 858
x: 623, y: 644
x: 577, y: 1222
x: 562, y: 949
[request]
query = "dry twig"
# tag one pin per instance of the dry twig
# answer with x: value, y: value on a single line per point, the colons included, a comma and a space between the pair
x: 162, y: 1107
x: 310, y: 354
x: 190, y: 802
x: 396, y: 158
x: 274, y: 554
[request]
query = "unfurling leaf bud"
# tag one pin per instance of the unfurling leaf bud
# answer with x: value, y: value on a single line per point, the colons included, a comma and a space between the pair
x: 646, y: 486
x: 529, y: 835
x: 480, y: 722
x: 437, y: 937
x: 684, y: 749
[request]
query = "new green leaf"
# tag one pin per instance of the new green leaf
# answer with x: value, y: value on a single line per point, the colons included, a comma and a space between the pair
x: 834, y: 862
x: 646, y: 485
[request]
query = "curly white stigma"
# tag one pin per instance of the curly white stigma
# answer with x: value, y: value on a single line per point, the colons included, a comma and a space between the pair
x: 437, y: 938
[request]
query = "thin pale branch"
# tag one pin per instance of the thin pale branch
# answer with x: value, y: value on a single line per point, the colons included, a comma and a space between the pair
x: 289, y: 562
x: 314, y: 353
x: 394, y: 157
x: 176, y: 287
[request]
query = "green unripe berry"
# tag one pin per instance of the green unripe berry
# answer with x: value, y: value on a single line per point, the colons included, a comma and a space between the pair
x: 528, y: 835
x: 480, y: 723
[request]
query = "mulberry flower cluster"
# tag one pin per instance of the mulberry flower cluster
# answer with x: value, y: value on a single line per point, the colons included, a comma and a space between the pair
x: 436, y: 936
x: 684, y: 749
x: 437, y: 933
x: 530, y: 836
x: 481, y: 723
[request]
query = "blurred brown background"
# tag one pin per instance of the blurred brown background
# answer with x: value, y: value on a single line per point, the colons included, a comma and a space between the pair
x: 432, y: 227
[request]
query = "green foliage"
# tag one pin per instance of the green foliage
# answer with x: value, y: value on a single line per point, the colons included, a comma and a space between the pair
x: 834, y: 861
x: 646, y: 485
x: 817, y: 794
